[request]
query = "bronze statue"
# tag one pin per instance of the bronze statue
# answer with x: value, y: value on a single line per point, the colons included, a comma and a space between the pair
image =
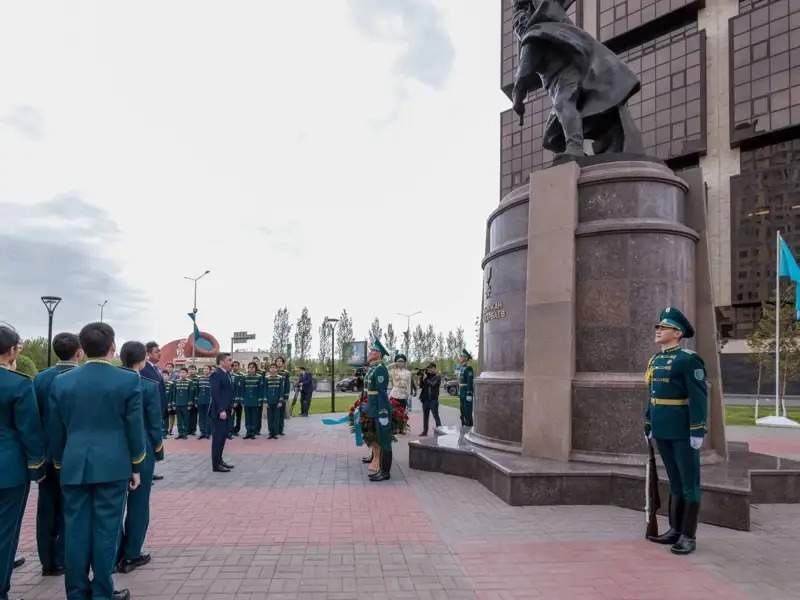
x: 587, y: 83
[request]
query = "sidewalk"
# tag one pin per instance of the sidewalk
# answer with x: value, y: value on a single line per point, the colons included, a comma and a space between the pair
x: 297, y: 519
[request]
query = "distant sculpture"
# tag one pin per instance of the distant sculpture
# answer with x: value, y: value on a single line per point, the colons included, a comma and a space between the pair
x: 587, y: 83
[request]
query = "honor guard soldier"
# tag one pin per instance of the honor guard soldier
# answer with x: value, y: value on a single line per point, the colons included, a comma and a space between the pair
x: 137, y: 517
x: 238, y: 392
x: 253, y: 385
x: 466, y: 381
x: 97, y: 441
x: 49, y: 512
x: 285, y: 375
x: 192, y: 426
x: 203, y: 399
x: 183, y: 398
x: 676, y: 419
x: 22, y: 450
x: 169, y: 386
x: 379, y: 408
x: 273, y: 385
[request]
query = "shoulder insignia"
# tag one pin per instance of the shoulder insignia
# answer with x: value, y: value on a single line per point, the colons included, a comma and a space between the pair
x: 699, y: 374
x: 688, y: 351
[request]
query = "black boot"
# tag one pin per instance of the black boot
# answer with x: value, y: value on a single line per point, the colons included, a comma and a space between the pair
x: 686, y: 544
x: 676, y: 504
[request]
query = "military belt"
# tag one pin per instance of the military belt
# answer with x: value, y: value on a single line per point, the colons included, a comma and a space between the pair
x: 375, y: 393
x: 669, y: 401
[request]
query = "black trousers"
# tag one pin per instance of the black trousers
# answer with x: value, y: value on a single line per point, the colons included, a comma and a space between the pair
x: 305, y: 403
x: 427, y: 409
x: 50, y: 521
x: 219, y: 436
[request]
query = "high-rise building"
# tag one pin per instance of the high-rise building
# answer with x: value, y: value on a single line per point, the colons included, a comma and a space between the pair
x: 720, y: 90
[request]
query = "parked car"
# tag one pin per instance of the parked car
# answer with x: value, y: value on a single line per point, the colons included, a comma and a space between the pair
x: 348, y: 384
x: 450, y: 385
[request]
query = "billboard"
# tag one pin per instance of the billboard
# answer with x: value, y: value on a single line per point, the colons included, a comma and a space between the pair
x: 355, y: 353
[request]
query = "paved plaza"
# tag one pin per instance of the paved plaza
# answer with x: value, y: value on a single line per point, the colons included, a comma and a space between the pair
x: 297, y: 519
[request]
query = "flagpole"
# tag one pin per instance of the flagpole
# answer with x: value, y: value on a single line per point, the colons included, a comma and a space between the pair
x: 777, y: 318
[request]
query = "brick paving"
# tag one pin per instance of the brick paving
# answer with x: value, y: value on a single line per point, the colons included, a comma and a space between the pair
x: 297, y: 519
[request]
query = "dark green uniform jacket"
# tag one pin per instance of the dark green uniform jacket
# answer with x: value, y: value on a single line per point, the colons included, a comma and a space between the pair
x: 378, y: 405
x: 678, y: 395
x: 273, y: 389
x: 151, y: 410
x: 170, y: 392
x: 286, y: 383
x: 43, y: 384
x: 96, y: 424
x: 466, y: 383
x: 183, y: 392
x: 238, y: 387
x: 22, y: 445
x: 203, y: 395
x: 253, y: 390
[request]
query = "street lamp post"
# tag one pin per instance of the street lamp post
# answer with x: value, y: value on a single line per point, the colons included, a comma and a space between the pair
x: 50, y: 303
x: 332, y: 323
x: 408, y: 328
x: 102, y: 306
x: 194, y: 305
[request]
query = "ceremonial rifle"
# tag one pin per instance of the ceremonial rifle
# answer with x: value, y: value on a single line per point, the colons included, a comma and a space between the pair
x: 652, y: 497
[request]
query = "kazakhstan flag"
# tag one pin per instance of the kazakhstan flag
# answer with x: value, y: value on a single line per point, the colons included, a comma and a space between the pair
x: 788, y: 268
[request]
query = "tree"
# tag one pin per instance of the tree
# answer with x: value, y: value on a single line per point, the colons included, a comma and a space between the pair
x: 391, y: 340
x: 375, y: 331
x: 303, y: 336
x: 478, y: 332
x: 36, y: 350
x: 418, y: 343
x: 459, y: 340
x: 324, y: 344
x: 26, y: 365
x: 441, y: 347
x: 281, y: 332
x: 430, y: 342
x: 452, y: 346
x: 344, y: 332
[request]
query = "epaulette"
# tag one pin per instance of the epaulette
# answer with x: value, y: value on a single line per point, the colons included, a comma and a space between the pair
x: 688, y: 351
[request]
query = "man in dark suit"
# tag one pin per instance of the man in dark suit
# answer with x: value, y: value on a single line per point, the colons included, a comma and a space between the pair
x: 96, y: 433
x: 219, y: 411
x: 152, y: 372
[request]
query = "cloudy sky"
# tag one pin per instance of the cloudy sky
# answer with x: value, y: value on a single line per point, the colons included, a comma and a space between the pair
x: 330, y: 154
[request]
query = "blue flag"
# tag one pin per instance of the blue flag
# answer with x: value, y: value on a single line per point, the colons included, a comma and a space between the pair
x: 197, y: 336
x: 788, y: 268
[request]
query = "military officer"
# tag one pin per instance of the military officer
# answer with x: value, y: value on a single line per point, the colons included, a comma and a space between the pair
x: 22, y: 450
x: 203, y: 399
x: 183, y: 399
x: 49, y: 512
x: 235, y: 421
x: 253, y: 396
x: 97, y: 442
x: 273, y: 391
x: 285, y: 376
x: 380, y: 409
x: 137, y: 518
x: 676, y: 419
x: 195, y: 387
x: 466, y: 387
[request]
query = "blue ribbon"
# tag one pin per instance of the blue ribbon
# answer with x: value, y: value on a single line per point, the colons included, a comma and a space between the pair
x: 339, y: 421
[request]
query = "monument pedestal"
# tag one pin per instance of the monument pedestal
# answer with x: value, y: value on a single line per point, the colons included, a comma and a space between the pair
x: 578, y: 267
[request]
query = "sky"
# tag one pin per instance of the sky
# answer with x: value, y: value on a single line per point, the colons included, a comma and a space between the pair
x: 334, y: 154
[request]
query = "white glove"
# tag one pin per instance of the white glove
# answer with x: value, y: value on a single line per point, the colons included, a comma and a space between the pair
x: 695, y: 442
x: 648, y: 437
x: 469, y: 398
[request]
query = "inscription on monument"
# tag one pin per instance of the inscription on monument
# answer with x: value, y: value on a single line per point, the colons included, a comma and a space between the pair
x: 494, y: 311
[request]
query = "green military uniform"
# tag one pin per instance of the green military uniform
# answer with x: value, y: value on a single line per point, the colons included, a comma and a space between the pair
x: 22, y: 459
x: 466, y: 390
x: 234, y: 421
x: 192, y: 426
x: 676, y: 418
x: 183, y: 400
x: 203, y: 400
x: 273, y: 392
x: 379, y: 408
x: 137, y: 517
x: 49, y: 511
x: 260, y: 419
x: 253, y: 397
x: 172, y: 410
x: 97, y: 441
x: 286, y: 389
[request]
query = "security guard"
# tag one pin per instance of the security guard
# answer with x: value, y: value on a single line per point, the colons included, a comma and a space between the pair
x: 137, y: 518
x: 466, y: 387
x: 253, y: 385
x: 183, y: 400
x: 284, y: 373
x: 273, y: 386
x: 203, y: 399
x: 676, y: 419
x: 49, y: 512
x: 22, y: 450
x: 379, y: 408
x: 97, y: 441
